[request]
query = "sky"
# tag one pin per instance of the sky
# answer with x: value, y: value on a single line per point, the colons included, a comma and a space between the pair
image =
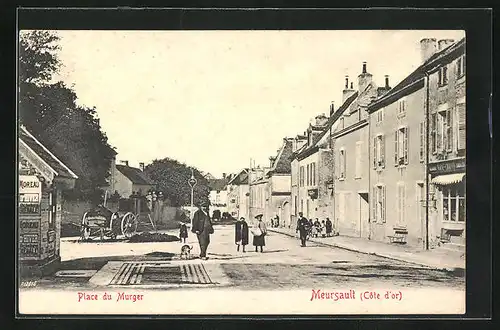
x: 216, y: 99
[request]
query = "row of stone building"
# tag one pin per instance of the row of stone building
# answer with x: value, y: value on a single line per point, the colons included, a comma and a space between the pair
x: 387, y: 162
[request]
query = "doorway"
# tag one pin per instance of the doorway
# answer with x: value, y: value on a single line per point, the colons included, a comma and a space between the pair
x: 363, y: 219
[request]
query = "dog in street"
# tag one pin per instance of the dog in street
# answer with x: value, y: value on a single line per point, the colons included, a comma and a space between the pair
x: 186, y: 252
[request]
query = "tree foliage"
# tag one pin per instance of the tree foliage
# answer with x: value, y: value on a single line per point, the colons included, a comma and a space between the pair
x: 49, y: 110
x: 172, y: 178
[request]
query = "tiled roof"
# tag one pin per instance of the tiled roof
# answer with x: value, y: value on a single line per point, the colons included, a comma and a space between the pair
x: 134, y: 174
x: 336, y: 115
x: 414, y: 77
x: 217, y: 184
x: 55, y: 164
x: 240, y: 178
x: 282, y: 164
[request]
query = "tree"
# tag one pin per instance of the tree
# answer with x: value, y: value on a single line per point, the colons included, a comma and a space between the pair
x: 49, y: 110
x: 172, y: 178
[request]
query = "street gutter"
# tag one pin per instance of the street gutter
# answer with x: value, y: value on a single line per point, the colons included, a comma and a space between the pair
x: 459, y: 270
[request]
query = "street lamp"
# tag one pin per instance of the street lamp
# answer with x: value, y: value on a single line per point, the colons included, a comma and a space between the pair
x: 192, y: 182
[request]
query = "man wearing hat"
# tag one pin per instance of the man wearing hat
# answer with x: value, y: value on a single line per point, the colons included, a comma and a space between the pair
x: 302, y: 228
x: 202, y: 227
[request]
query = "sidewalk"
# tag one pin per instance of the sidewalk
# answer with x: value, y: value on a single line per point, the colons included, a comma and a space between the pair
x: 436, y: 258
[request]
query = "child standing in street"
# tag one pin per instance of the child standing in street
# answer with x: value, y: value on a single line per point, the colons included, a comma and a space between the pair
x: 183, y: 233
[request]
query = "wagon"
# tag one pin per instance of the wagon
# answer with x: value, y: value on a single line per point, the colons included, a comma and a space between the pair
x: 102, y: 222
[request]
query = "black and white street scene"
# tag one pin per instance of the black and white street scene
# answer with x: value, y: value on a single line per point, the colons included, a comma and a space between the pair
x: 241, y: 172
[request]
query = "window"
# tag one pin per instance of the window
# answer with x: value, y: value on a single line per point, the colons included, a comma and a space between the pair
x: 341, y: 123
x: 296, y: 204
x: 420, y: 198
x: 443, y: 131
x: 359, y: 114
x: 422, y: 142
x: 380, y: 115
x: 301, y: 176
x: 401, y: 203
x: 461, y: 66
x: 460, y: 126
x: 401, y: 107
x: 342, y: 161
x: 357, y: 174
x: 379, y: 151
x: 378, y: 204
x: 302, y: 205
x: 443, y: 75
x: 401, y: 146
x: 313, y: 174
x: 307, y: 175
x: 453, y: 199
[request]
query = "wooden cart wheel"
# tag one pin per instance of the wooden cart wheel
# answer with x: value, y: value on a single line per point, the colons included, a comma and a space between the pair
x: 85, y: 229
x: 114, y: 225
x: 129, y: 224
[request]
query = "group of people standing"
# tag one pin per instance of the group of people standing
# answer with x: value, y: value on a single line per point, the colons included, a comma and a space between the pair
x: 308, y: 228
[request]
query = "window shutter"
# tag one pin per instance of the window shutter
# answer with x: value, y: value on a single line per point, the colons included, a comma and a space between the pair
x: 382, y: 150
x: 445, y: 74
x: 461, y: 126
x: 344, y: 164
x: 421, y: 154
x: 433, y: 132
x: 405, y: 145
x: 449, y: 131
x: 440, y: 79
x: 439, y: 125
x: 374, y: 203
x: 374, y: 152
x: 396, y: 134
x: 383, y: 203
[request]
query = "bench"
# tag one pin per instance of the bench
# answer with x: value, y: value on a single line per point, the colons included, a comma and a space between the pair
x: 400, y: 234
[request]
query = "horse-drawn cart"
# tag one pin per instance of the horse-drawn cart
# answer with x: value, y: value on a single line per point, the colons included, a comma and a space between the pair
x: 102, y: 222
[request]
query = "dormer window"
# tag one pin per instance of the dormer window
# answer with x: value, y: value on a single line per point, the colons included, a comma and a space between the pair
x: 402, y: 107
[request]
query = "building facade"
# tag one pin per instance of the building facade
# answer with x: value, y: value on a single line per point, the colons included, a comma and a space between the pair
x: 447, y: 144
x: 42, y: 178
x: 239, y: 195
x: 125, y: 180
x: 298, y: 145
x: 423, y: 179
x: 351, y: 145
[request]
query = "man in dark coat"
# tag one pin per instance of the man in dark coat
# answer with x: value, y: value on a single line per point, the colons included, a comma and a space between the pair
x: 202, y: 227
x: 302, y: 228
x: 241, y: 234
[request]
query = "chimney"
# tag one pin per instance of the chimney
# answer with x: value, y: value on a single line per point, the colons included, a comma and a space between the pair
x: 443, y: 43
x: 364, y: 79
x: 223, y: 175
x: 352, y: 85
x: 428, y: 47
x: 332, y: 109
x: 141, y: 166
x: 125, y: 162
x: 387, y: 82
x: 347, y: 91
x: 320, y: 120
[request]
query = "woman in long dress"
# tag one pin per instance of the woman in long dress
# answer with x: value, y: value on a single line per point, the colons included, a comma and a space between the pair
x: 241, y: 234
x: 259, y: 234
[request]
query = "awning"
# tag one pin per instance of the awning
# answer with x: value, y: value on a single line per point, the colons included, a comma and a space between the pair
x: 448, y: 179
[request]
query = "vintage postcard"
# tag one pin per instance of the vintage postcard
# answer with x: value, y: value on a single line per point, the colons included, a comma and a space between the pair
x: 235, y: 172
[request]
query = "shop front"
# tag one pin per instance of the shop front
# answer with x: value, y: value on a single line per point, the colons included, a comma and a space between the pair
x: 42, y: 178
x: 447, y: 196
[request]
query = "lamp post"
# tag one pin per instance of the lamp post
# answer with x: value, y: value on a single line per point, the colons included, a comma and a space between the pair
x: 192, y: 182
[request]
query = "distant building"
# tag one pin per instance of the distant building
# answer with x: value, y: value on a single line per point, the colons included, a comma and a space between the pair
x: 218, y: 195
x: 298, y: 145
x: 127, y: 179
x: 239, y: 195
x: 270, y: 187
